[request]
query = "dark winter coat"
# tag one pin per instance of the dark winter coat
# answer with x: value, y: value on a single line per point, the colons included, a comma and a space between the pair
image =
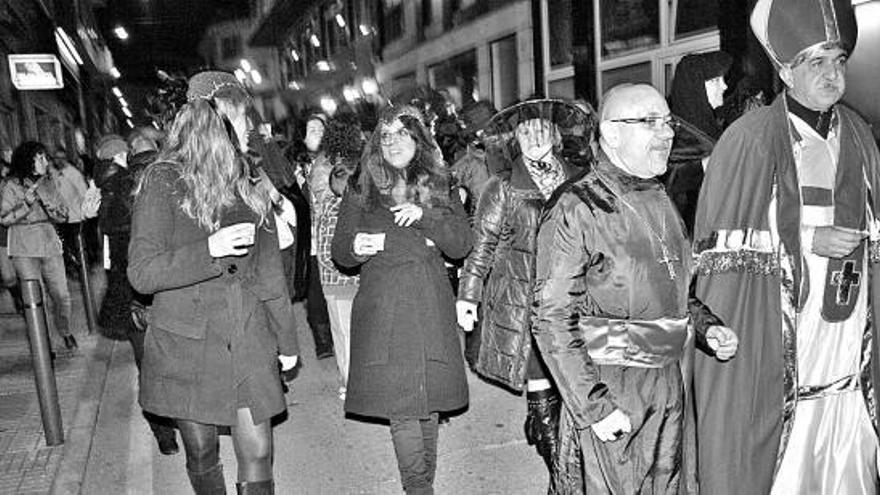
x: 406, y: 359
x: 217, y: 325
x: 499, y: 273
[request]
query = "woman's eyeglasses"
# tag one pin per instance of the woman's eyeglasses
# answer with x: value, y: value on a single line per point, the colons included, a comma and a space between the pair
x: 387, y: 138
x: 655, y: 123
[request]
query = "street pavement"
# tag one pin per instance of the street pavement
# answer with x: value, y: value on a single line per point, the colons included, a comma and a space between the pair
x: 27, y: 464
x: 318, y: 450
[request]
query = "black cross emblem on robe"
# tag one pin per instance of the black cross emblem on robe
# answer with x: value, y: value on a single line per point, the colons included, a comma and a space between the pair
x: 845, y: 279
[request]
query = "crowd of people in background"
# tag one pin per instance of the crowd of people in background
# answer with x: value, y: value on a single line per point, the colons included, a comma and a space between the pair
x: 680, y: 288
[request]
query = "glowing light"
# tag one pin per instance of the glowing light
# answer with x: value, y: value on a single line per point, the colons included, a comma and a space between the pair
x: 294, y: 85
x: 126, y: 111
x: 240, y: 75
x: 255, y: 75
x: 155, y: 124
x: 350, y: 94
x: 116, y: 91
x: 314, y: 41
x: 123, y: 102
x: 340, y: 21
x: 323, y: 65
x: 369, y: 86
x: 63, y: 40
x: 294, y: 55
x: 328, y: 104
x: 365, y: 30
x: 128, y: 121
x: 120, y: 33
x: 115, y: 73
x: 245, y: 65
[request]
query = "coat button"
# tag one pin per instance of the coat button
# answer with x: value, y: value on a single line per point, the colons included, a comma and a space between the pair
x: 231, y: 269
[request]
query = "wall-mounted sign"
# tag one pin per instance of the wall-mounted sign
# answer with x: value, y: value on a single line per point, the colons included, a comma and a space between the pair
x: 35, y: 71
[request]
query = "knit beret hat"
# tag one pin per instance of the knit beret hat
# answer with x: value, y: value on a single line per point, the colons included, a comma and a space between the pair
x: 207, y: 84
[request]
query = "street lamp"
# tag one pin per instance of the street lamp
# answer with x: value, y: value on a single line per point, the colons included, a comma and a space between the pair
x: 116, y: 91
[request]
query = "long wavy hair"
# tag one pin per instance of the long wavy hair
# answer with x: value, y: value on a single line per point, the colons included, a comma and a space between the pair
x: 201, y: 146
x: 426, y: 177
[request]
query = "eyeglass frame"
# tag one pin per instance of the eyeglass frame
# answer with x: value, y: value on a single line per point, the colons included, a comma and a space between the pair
x: 387, y: 138
x: 651, y: 121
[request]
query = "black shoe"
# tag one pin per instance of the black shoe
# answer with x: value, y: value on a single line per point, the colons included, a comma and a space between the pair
x: 70, y: 342
x: 168, y: 445
x: 255, y: 487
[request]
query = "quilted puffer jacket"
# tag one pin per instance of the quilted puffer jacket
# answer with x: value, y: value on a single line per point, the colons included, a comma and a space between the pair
x: 498, y: 274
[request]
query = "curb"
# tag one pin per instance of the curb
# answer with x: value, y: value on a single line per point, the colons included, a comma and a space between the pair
x: 72, y: 467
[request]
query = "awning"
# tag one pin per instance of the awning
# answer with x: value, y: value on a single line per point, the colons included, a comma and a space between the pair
x: 275, y: 25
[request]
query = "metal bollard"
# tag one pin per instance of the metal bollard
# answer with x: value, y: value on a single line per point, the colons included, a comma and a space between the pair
x: 38, y: 337
x: 88, y: 301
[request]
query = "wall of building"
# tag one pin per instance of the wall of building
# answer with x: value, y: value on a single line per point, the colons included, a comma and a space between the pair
x: 408, y: 55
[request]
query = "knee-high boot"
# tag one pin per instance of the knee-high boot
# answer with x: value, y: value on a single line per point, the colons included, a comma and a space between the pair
x: 266, y: 487
x: 542, y: 423
x: 208, y: 482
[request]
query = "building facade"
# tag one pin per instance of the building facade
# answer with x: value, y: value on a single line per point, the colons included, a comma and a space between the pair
x: 66, y: 118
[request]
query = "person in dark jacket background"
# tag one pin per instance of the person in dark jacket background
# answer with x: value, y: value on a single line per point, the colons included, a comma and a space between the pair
x: 203, y: 241
x: 119, y: 308
x: 697, y: 92
x: 397, y: 220
x: 499, y: 273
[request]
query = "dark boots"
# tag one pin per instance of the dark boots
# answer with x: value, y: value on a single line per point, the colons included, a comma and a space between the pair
x: 542, y: 423
x: 255, y: 487
x: 209, y: 482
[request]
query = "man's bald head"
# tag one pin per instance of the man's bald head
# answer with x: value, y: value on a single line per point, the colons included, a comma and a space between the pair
x: 628, y: 100
x: 635, y: 129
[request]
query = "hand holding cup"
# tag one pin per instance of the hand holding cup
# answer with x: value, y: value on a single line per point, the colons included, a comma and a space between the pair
x: 232, y: 240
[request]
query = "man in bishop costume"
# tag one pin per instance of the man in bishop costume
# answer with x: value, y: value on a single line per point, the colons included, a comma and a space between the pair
x: 786, y: 235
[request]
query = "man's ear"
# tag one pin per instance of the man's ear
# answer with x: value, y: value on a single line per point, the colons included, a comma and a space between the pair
x: 610, y: 132
x: 786, y: 75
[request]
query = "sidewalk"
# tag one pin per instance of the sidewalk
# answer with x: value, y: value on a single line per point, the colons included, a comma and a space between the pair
x: 27, y: 464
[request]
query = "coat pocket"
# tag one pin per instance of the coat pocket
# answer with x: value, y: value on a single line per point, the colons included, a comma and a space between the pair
x: 180, y: 312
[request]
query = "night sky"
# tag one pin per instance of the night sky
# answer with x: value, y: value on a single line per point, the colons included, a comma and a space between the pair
x: 163, y: 34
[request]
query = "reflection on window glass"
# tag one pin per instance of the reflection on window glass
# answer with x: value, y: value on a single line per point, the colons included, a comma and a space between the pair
x: 559, y: 18
x: 505, y: 67
x: 456, y: 77
x: 629, y: 25
x: 561, y: 88
x: 695, y: 16
x: 634, y: 74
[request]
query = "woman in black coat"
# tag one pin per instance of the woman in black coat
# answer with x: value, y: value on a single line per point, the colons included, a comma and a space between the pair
x: 397, y: 220
x: 203, y: 242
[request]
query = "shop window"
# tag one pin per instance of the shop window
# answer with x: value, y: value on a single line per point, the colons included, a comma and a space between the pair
x: 635, y: 74
x: 559, y: 19
x: 393, y: 20
x: 505, y: 72
x: 695, y: 17
x: 629, y: 25
x: 457, y: 76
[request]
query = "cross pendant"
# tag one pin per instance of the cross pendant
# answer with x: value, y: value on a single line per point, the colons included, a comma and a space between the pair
x: 667, y: 259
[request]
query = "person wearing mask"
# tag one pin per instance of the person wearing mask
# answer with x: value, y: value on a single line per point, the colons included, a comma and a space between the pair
x: 397, y: 221
x: 786, y: 234
x: 203, y: 243
x: 697, y: 93
x: 498, y: 275
x: 612, y: 312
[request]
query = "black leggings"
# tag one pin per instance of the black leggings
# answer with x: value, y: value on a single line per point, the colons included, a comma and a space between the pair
x: 252, y: 444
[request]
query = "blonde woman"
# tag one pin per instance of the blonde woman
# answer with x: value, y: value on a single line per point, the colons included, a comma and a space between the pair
x: 203, y: 242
